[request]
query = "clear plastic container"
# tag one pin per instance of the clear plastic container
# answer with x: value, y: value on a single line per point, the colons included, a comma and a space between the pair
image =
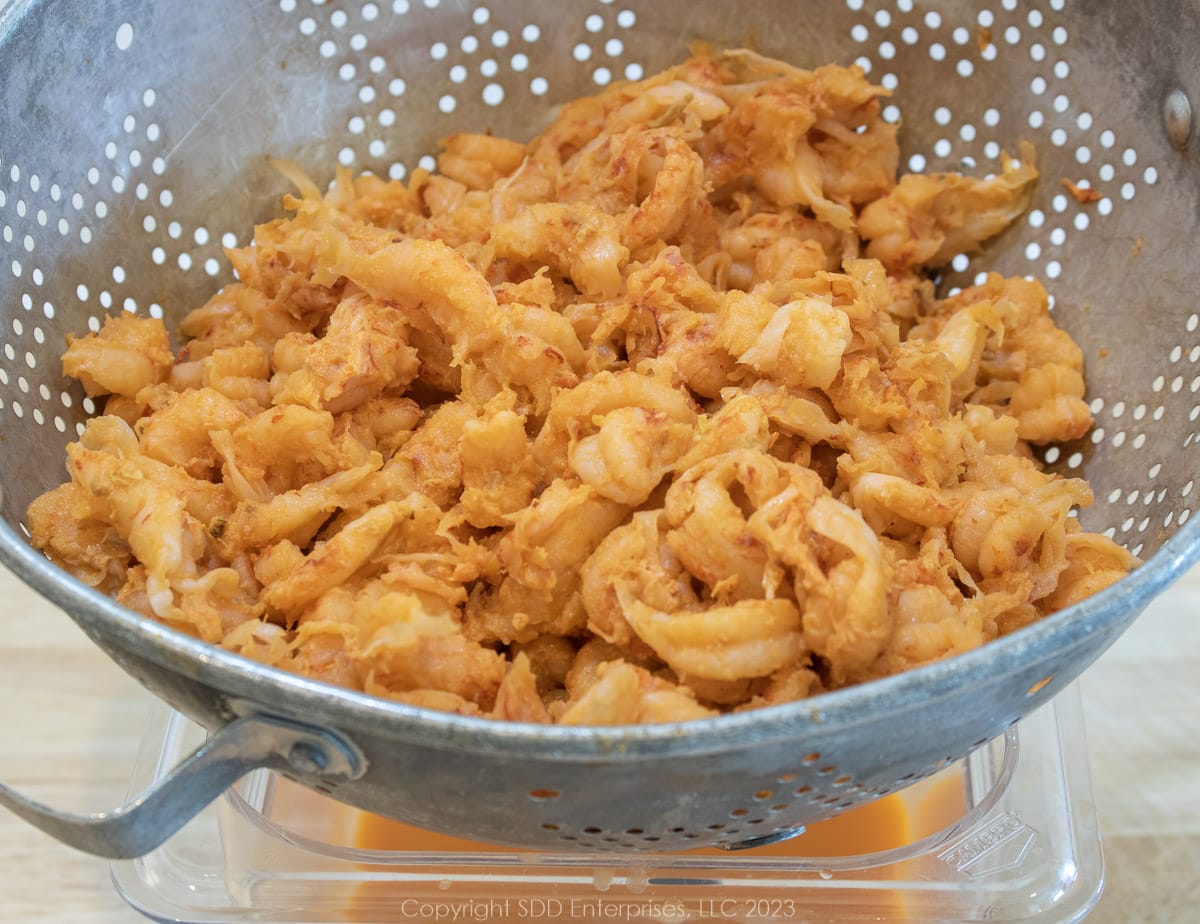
x: 1009, y: 834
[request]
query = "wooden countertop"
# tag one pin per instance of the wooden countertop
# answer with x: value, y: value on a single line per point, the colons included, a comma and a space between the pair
x: 72, y: 721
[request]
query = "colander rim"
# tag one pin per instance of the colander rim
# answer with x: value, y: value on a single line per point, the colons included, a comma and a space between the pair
x: 327, y: 704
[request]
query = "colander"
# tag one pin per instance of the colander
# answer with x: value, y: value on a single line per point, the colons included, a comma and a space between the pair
x: 134, y: 139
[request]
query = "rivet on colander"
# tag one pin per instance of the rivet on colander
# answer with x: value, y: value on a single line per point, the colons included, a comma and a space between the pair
x: 1177, y: 116
x: 306, y: 760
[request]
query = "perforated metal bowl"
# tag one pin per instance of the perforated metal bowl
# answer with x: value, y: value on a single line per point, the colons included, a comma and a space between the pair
x: 133, y: 145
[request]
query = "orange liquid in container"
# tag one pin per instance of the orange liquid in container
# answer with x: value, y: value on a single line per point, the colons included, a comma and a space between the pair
x: 880, y: 825
x: 884, y: 824
x: 888, y: 823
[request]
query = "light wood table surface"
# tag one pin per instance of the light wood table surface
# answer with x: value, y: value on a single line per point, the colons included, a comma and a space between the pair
x: 71, y: 722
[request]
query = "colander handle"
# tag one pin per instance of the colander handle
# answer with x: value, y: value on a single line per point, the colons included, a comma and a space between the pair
x: 250, y: 743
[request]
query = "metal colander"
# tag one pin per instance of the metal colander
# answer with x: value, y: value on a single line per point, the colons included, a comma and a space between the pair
x: 134, y: 139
